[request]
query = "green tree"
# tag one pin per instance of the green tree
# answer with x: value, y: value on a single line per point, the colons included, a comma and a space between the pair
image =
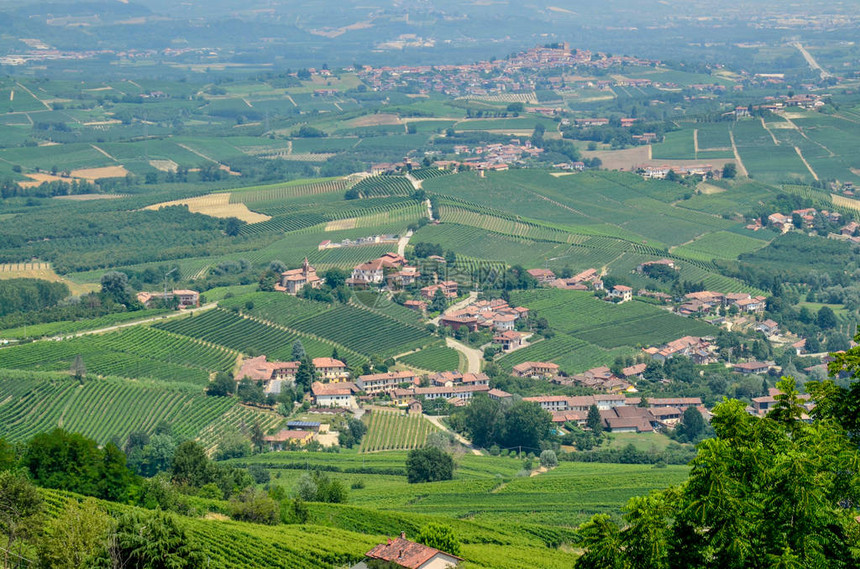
x: 440, y: 537
x: 76, y: 537
x: 222, y: 386
x: 233, y: 226
x: 153, y: 540
x: 298, y: 352
x: 548, y: 459
x: 440, y: 301
x: 114, y: 285
x: 255, y: 506
x: 190, y: 465
x: 826, y: 318
x: 335, y: 277
x: 730, y: 170
x: 692, y: 425
x: 483, y: 420
x: 20, y: 514
x: 526, y: 425
x: 429, y: 464
x: 593, y: 420
x: 268, y: 280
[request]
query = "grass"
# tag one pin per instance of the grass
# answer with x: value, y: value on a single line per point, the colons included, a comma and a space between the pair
x: 643, y: 442
x: 720, y: 245
x: 436, y: 358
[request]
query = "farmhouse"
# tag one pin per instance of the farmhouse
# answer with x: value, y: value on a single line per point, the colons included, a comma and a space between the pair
x: 509, y: 340
x: 294, y: 280
x: 448, y: 288
x: 404, y: 553
x: 499, y: 394
x: 452, y: 378
x: 374, y: 271
x: 536, y: 370
x: 622, y: 292
x: 697, y: 349
x: 768, y: 327
x: 457, y: 322
x: 629, y: 420
x: 258, y: 369
x: 185, y: 298
x: 331, y: 369
x: 542, y: 276
x: 373, y: 384
x: 334, y: 394
x: 417, y: 305
x: 600, y: 379
x: 751, y: 367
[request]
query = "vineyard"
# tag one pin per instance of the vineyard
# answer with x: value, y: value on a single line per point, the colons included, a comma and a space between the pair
x: 381, y: 186
x: 436, y: 358
x: 31, y: 403
x: 427, y: 173
x: 277, y: 192
x: 71, y: 326
x: 392, y: 430
x: 252, y: 336
x: 135, y: 352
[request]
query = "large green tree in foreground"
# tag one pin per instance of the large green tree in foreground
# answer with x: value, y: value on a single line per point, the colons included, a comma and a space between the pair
x: 772, y: 492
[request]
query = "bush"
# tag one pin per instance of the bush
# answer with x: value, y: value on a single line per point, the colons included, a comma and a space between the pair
x: 429, y: 464
x: 255, y: 506
x: 548, y: 459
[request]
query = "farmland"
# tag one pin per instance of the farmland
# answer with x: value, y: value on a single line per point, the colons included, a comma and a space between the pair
x: 114, y: 407
x: 436, y: 358
x: 392, y: 430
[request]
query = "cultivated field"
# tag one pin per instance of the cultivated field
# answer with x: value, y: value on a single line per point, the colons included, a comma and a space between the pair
x: 216, y: 205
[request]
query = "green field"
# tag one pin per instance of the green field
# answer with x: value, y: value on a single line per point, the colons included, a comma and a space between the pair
x: 677, y: 145
x: 32, y: 402
x: 436, y: 358
x: 394, y: 430
x: 720, y: 245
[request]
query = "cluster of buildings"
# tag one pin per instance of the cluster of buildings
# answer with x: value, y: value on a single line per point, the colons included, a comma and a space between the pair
x: 660, y: 172
x: 495, y: 314
x: 588, y: 279
x: 294, y: 280
x: 706, y: 301
x: 361, y: 241
x: 523, y: 72
x: 391, y: 269
x: 701, y: 350
x: 786, y: 222
x: 619, y: 414
x: 275, y: 375
x: 496, y: 156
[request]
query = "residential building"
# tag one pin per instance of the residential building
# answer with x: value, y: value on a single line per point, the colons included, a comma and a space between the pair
x: 404, y: 553
x: 376, y: 383
x: 536, y: 369
x: 258, y: 369
x: 748, y: 368
x: 509, y: 340
x: 542, y: 276
x: 334, y: 394
x: 331, y: 369
x: 768, y: 327
x: 184, y: 298
x: 287, y: 438
x: 623, y: 292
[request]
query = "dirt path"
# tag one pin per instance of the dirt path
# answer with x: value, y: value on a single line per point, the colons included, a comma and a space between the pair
x: 808, y: 167
x: 96, y: 148
x: 696, y: 142
x: 773, y: 136
x: 403, y: 242
x: 741, y: 168
x: 47, y: 106
x: 462, y: 440
x: 473, y: 356
x: 189, y: 149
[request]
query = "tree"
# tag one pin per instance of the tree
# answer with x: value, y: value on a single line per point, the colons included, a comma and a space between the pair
x: 440, y: 301
x: 692, y: 425
x: 483, y: 420
x: 440, y: 537
x: 335, y: 277
x: 730, y: 170
x: 298, y: 352
x: 268, y: 280
x: 20, y: 513
x: 429, y: 465
x: 222, y: 386
x: 115, y: 286
x: 255, y: 506
x: 191, y: 466
x: 548, y: 459
x: 233, y: 226
x: 526, y: 425
x: 153, y: 540
x: 450, y: 258
x: 826, y: 318
x: 774, y: 488
x: 77, y: 537
x: 593, y: 420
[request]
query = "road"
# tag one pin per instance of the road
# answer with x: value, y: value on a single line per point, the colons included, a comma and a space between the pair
x: 473, y: 296
x: 811, y: 61
x: 741, y: 168
x: 176, y: 314
x: 462, y: 440
x: 474, y: 357
x: 403, y: 242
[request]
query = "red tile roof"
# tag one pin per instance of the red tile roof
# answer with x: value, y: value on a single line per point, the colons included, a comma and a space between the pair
x: 405, y: 553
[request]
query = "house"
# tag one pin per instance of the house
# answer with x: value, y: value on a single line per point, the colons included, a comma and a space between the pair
x: 504, y: 322
x: 768, y: 327
x: 623, y: 292
x: 509, y: 340
x: 542, y: 276
x: 751, y: 367
x: 697, y: 349
x: 634, y: 371
x: 669, y: 402
x: 294, y: 280
x: 404, y: 277
x: 536, y: 369
x: 404, y: 553
x: 313, y: 426
x: 417, y: 305
x: 754, y: 304
x: 331, y: 369
x: 499, y: 395
x: 465, y: 392
x: 375, y: 383
x: 374, y: 271
x: 286, y: 438
x: 184, y: 298
x: 457, y: 322
x: 448, y: 288
x: 334, y: 394
x: 258, y: 369
x: 451, y: 378
x: 550, y: 402
x: 629, y: 420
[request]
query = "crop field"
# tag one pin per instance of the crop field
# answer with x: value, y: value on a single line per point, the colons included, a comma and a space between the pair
x: 394, y: 430
x: 737, y: 197
x: 71, y: 326
x: 298, y: 188
x: 280, y: 308
x: 365, y: 331
x: 714, y: 136
x: 677, y: 145
x: 764, y: 159
x: 36, y: 402
x: 720, y: 245
x: 380, y: 186
x: 436, y: 358
x: 248, y: 335
x: 427, y: 173
x: 135, y: 352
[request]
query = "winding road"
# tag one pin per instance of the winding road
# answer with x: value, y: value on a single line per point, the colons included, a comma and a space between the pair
x: 473, y: 355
